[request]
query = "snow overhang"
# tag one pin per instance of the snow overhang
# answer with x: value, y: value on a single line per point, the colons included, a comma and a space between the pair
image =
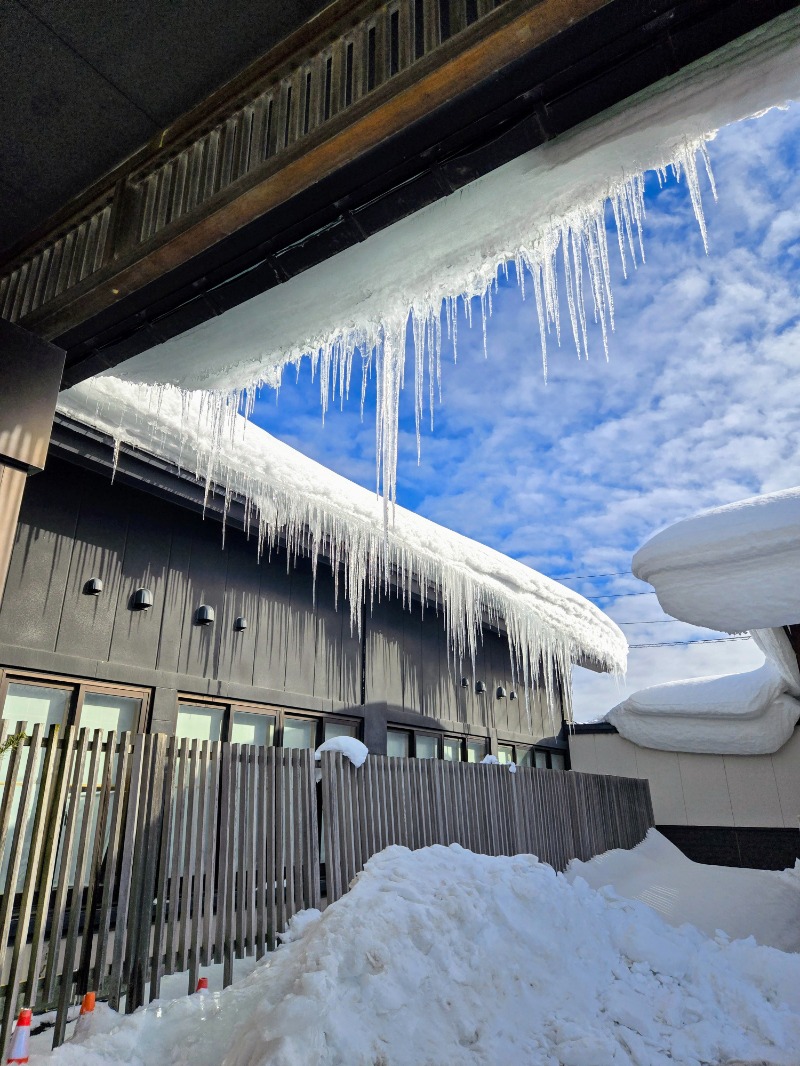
x: 732, y: 568
x: 289, y: 496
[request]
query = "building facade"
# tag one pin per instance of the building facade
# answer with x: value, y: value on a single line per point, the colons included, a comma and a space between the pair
x: 123, y: 609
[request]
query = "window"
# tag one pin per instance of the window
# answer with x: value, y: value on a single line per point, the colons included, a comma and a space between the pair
x: 451, y: 750
x: 557, y: 760
x: 426, y: 746
x: 254, y: 723
x: 476, y: 750
x: 398, y: 743
x: 525, y: 755
x: 505, y: 754
x: 50, y: 701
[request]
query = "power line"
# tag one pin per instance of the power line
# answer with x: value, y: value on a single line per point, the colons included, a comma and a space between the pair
x: 618, y: 595
x: 652, y: 622
x: 589, y: 577
x: 684, y: 643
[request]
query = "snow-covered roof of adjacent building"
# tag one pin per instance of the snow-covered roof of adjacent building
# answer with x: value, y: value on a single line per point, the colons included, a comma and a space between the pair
x: 289, y: 496
x: 732, y: 568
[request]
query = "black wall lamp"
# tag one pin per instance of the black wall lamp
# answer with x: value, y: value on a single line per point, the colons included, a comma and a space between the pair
x: 512, y: 695
x: 480, y: 687
x: 240, y: 624
x: 142, y: 600
x: 465, y: 682
x: 93, y: 587
x: 204, y: 615
x: 501, y: 692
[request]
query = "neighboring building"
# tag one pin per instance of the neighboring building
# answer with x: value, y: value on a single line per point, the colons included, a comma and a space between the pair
x: 722, y: 754
x: 278, y: 664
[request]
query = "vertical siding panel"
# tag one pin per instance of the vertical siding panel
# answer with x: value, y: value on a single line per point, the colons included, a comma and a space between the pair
x: 136, y: 634
x: 272, y: 623
x: 301, y: 634
x: 237, y: 648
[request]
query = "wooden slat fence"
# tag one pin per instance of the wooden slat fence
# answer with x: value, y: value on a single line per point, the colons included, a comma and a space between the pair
x: 125, y: 858
x: 485, y: 808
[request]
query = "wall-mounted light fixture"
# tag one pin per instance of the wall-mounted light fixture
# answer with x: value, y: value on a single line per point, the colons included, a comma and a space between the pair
x: 501, y: 692
x: 204, y: 616
x: 465, y: 682
x: 240, y: 623
x: 93, y: 587
x: 512, y: 695
x: 480, y: 687
x: 142, y: 600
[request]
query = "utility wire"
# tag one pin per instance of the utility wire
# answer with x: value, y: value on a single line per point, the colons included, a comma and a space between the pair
x: 654, y: 622
x: 683, y: 643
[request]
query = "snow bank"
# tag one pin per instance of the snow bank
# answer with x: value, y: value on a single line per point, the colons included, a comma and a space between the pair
x: 289, y: 495
x: 545, y: 212
x: 353, y: 749
x: 440, y: 957
x: 733, y: 714
x: 731, y: 568
x: 760, y: 903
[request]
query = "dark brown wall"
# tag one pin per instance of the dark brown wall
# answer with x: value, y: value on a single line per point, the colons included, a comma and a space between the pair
x: 76, y: 525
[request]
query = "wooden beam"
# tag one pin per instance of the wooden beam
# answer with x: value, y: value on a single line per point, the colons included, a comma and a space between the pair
x: 506, y: 34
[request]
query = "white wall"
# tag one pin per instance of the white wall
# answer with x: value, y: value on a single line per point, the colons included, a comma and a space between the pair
x: 688, y: 789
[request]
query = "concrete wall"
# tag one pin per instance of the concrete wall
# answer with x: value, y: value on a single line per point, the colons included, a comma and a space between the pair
x: 296, y: 651
x: 703, y: 790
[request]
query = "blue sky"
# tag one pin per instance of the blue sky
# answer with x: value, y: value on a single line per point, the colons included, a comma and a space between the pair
x: 697, y: 405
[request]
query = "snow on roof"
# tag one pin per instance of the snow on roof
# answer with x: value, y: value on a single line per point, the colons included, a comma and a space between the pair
x: 734, y: 714
x: 545, y: 212
x: 316, y: 510
x: 731, y: 568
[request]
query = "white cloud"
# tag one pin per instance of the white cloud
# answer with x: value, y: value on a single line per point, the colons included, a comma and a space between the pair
x: 698, y: 405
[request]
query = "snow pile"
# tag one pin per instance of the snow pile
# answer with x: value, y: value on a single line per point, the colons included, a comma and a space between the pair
x: 321, y: 513
x: 353, y: 749
x: 763, y: 904
x: 731, y: 568
x: 733, y: 714
x: 441, y: 956
x: 545, y: 212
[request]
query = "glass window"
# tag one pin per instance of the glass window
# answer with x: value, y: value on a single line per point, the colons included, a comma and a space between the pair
x: 196, y: 722
x: 397, y: 743
x: 250, y: 728
x: 299, y: 733
x: 476, y: 750
x: 505, y: 754
x: 340, y: 729
x: 451, y: 749
x: 540, y: 760
x: 556, y: 760
x: 426, y: 746
x: 524, y: 756
x: 35, y: 703
x: 104, y: 711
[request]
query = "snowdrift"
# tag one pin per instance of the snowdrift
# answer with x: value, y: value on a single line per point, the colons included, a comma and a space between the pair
x: 741, y: 903
x: 730, y: 568
x: 441, y: 957
x: 290, y: 495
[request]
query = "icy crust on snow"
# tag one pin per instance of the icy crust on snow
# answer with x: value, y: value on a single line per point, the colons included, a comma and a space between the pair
x: 731, y: 568
x: 441, y: 956
x: 321, y: 513
x: 764, y: 904
x: 753, y: 713
x: 545, y: 212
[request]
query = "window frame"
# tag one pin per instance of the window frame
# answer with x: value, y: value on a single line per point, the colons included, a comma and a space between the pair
x: 269, y: 710
x: 519, y: 749
x: 77, y: 687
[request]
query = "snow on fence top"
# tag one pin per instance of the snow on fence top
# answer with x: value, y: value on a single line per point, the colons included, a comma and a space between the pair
x: 288, y: 495
x: 545, y: 212
x: 731, y: 568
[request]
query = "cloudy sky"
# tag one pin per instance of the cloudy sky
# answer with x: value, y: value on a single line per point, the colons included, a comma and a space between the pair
x: 697, y: 405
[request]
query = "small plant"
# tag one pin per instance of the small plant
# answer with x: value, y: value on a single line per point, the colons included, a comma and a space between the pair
x: 12, y: 742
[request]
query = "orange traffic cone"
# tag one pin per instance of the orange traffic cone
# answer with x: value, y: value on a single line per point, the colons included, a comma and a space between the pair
x: 21, y: 1040
x: 87, y: 1008
x: 202, y: 985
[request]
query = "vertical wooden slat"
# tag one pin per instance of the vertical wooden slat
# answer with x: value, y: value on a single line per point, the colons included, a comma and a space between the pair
x: 138, y: 769
x: 230, y: 869
x: 271, y: 874
x: 177, y: 869
x: 280, y: 841
x: 9, y: 791
x: 222, y: 861
x: 79, y: 879
x: 241, y: 851
x: 162, y: 877
x: 182, y: 961
x: 261, y: 869
x: 210, y: 931
x: 151, y: 846
x: 67, y: 847
x: 198, y: 870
